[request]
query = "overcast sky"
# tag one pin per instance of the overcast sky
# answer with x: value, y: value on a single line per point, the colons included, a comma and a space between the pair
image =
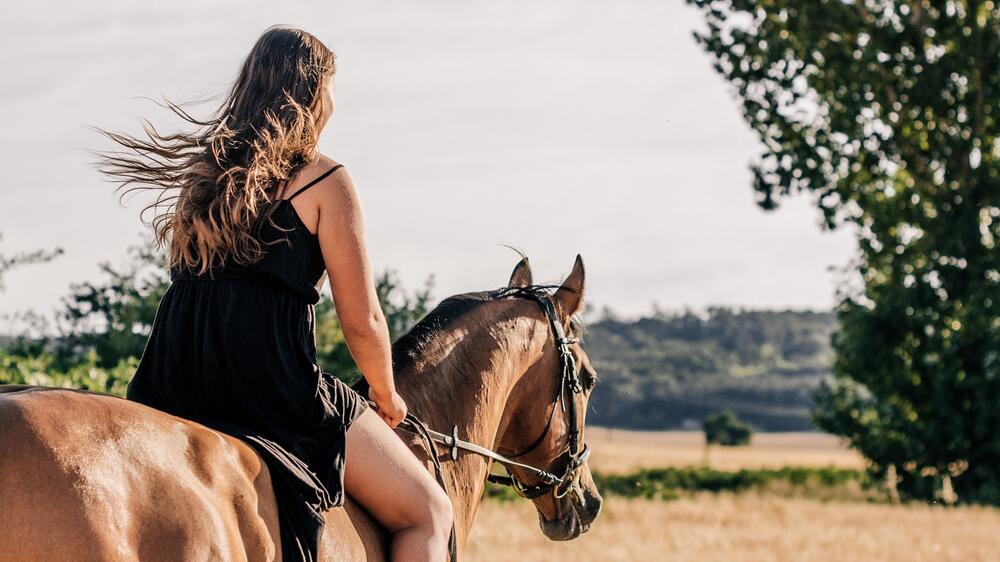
x: 556, y: 127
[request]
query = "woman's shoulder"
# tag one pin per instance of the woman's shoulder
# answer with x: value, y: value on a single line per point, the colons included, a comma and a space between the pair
x: 324, y: 163
x: 314, y: 177
x: 316, y: 168
x: 336, y: 187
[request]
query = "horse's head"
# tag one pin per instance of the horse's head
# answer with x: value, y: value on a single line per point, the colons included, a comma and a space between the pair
x: 545, y: 413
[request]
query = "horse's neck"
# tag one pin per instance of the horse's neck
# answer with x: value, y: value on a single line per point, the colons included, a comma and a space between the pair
x: 471, y: 396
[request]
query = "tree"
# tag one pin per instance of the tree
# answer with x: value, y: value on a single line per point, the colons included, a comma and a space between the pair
x: 33, y: 321
x: 401, y: 312
x: 886, y: 112
x: 8, y: 263
x: 113, y: 317
x: 724, y: 429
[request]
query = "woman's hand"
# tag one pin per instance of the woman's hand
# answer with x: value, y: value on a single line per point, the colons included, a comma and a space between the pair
x: 391, y: 408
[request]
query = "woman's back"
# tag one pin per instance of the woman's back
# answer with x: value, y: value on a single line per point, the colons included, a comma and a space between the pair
x: 292, y: 255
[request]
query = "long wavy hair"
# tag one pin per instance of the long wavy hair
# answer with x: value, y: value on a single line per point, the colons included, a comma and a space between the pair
x: 214, y: 181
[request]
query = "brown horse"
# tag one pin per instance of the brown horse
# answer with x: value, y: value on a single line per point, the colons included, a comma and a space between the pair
x: 87, y: 476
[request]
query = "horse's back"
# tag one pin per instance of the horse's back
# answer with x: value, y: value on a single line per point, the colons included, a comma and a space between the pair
x: 88, y: 476
x: 27, y: 476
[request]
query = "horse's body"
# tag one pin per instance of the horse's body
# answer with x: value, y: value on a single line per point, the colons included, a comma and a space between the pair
x: 86, y: 476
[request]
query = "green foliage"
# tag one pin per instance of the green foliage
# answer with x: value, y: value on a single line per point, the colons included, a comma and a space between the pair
x: 665, y: 371
x: 105, y: 325
x: 887, y: 111
x: 39, y: 369
x: 401, y: 311
x: 668, y: 483
x: 724, y: 429
x: 112, y: 318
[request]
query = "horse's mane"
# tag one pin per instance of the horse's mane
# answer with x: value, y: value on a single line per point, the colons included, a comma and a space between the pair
x: 408, y: 347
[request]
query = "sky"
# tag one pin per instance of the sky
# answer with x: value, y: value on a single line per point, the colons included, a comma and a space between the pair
x: 559, y: 128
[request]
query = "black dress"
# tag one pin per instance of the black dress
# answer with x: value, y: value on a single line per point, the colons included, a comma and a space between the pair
x: 235, y: 349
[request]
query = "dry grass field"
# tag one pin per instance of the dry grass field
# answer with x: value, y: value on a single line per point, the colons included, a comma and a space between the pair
x: 743, y: 527
x: 617, y: 450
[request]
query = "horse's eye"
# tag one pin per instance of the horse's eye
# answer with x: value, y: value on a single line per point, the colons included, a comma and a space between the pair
x: 589, y: 379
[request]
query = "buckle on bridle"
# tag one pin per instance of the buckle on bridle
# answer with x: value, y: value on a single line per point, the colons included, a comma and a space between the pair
x: 454, y: 443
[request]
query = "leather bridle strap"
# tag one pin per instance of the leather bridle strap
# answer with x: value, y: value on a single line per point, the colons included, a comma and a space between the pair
x: 412, y: 424
x: 569, y: 377
x: 454, y: 444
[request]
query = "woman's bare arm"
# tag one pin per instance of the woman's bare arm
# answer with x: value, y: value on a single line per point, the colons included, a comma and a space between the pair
x: 342, y: 240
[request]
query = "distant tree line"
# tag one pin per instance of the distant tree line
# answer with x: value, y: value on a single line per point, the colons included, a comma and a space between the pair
x: 661, y: 371
x: 671, y: 370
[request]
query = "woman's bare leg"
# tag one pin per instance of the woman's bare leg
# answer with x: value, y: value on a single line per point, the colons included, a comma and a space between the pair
x: 384, y: 476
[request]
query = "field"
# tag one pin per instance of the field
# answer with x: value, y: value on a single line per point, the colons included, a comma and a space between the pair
x: 737, y: 527
x: 617, y: 450
x: 743, y: 527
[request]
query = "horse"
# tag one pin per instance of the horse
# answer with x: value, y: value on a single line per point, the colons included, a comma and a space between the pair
x: 87, y: 476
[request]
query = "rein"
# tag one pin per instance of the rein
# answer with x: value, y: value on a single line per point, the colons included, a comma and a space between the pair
x: 576, y: 452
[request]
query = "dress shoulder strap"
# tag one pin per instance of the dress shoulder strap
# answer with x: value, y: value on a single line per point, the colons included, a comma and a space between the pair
x: 315, y: 181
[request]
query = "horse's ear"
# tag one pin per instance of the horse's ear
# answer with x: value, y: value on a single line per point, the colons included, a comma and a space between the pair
x: 570, y: 293
x: 521, y: 277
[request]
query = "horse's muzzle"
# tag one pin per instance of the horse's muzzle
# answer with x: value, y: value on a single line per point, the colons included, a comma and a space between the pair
x: 577, y: 515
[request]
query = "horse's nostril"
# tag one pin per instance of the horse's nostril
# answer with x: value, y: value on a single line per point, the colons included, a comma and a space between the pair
x: 591, y: 508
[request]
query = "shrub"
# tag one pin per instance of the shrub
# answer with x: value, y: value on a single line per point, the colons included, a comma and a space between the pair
x: 724, y: 429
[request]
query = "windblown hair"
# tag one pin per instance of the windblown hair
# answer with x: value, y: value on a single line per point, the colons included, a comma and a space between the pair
x: 215, y: 181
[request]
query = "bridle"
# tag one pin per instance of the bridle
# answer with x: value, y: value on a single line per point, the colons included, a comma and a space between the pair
x: 576, y: 452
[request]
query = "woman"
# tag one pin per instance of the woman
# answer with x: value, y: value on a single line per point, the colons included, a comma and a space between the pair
x: 258, y: 216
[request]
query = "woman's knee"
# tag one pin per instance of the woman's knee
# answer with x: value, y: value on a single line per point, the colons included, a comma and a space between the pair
x: 440, y: 506
x: 434, y: 510
x: 390, y: 481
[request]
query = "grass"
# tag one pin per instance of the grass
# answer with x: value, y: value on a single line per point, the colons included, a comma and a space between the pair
x: 785, y: 497
x: 750, y: 526
x: 620, y: 451
x: 669, y: 482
